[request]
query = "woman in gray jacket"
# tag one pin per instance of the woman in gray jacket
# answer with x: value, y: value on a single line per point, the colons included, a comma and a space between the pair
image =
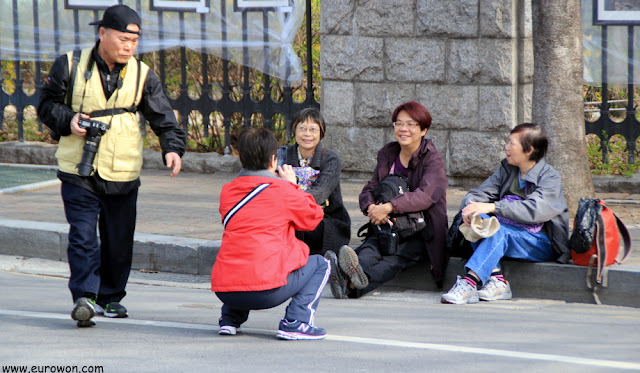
x: 525, y: 194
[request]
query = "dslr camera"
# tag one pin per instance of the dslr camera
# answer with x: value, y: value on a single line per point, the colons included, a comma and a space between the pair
x: 95, y: 130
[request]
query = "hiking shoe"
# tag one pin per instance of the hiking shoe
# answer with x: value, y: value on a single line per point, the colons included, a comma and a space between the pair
x: 495, y: 289
x: 348, y: 260
x: 297, y: 330
x: 337, y: 280
x: 83, y: 309
x: 113, y: 310
x: 227, y: 330
x: 85, y: 323
x: 462, y: 292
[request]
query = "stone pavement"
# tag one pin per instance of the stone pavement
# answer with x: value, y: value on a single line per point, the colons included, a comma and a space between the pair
x: 179, y: 230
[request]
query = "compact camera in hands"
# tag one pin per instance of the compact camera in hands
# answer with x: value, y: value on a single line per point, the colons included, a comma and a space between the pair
x: 95, y: 130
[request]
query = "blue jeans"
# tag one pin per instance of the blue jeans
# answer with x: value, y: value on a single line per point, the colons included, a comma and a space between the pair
x: 512, y: 242
x: 304, y: 288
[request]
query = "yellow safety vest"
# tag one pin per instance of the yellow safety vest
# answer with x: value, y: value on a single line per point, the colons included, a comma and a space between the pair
x: 119, y: 156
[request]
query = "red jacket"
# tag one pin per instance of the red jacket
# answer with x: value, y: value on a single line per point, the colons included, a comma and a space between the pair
x: 259, y: 248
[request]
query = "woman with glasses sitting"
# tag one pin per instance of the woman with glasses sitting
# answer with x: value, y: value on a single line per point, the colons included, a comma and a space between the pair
x: 318, y: 171
x: 412, y: 155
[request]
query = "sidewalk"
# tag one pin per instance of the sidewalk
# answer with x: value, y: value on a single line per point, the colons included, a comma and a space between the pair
x: 179, y: 230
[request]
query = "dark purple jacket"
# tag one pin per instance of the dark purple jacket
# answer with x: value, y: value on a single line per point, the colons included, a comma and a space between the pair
x: 429, y: 184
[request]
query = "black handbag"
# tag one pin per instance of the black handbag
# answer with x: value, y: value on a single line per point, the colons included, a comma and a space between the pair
x: 457, y: 245
x: 585, y: 224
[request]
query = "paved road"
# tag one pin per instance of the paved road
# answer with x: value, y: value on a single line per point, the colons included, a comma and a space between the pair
x: 173, y: 327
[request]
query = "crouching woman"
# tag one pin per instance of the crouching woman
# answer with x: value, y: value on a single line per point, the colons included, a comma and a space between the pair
x: 261, y: 264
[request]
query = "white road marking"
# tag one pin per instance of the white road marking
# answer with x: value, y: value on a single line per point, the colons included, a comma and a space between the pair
x: 348, y: 339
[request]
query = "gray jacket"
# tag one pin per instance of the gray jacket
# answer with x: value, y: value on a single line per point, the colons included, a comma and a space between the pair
x: 545, y: 201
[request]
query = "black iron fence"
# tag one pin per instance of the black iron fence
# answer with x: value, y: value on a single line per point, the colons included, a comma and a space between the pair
x: 212, y: 96
x: 615, y: 120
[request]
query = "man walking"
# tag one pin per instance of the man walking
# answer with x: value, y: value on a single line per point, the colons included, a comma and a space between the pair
x: 89, y: 102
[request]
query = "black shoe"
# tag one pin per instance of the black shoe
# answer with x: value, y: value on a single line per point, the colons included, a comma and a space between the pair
x: 86, y: 324
x: 113, y: 310
x: 337, y: 281
x: 351, y: 267
x: 83, y: 309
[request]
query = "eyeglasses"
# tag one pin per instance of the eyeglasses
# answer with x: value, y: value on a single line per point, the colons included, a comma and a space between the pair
x: 409, y: 125
x: 303, y: 129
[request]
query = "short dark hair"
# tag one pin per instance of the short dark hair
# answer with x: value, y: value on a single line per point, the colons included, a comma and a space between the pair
x: 532, y: 136
x: 309, y: 113
x: 416, y: 111
x: 256, y: 146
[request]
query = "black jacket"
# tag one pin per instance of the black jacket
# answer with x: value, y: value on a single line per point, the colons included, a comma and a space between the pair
x: 337, y: 223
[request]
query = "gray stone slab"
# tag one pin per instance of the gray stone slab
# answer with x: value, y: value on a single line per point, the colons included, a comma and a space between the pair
x: 347, y: 57
x: 489, y: 61
x: 337, y: 17
x: 497, y: 108
x: 166, y: 253
x: 474, y: 154
x: 415, y: 60
x: 359, y: 146
x: 525, y: 60
x: 207, y: 256
x: 450, y: 18
x: 375, y: 103
x: 32, y: 239
x: 384, y: 18
x: 525, y: 102
x: 498, y: 18
x: 338, y: 106
x: 451, y: 107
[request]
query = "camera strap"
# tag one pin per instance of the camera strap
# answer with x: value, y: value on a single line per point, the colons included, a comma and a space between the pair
x: 72, y: 76
x: 257, y: 190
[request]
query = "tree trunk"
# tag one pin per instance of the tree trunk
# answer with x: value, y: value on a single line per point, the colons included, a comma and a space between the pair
x: 557, y: 93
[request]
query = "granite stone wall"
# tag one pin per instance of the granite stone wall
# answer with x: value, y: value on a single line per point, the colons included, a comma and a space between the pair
x: 470, y: 62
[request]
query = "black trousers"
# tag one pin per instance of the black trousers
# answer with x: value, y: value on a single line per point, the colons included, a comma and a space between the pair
x: 382, y: 268
x: 99, y: 266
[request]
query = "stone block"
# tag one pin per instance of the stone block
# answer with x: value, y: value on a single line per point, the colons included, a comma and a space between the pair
x: 440, y: 139
x: 384, y: 18
x: 415, y: 60
x: 32, y: 239
x: 475, y: 154
x: 207, y: 256
x: 336, y: 17
x: 487, y: 61
x: 497, y: 108
x: 166, y: 253
x: 525, y: 60
x: 358, y: 146
x: 451, y: 107
x: 337, y: 103
x: 375, y: 103
x: 29, y: 152
x: 348, y: 57
x: 525, y: 103
x: 498, y: 18
x: 447, y: 18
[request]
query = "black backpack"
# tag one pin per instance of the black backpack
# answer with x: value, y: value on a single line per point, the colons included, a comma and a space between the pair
x: 404, y: 225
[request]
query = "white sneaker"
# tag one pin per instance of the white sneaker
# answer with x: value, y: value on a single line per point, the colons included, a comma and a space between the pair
x: 495, y: 289
x: 462, y: 292
x: 227, y: 330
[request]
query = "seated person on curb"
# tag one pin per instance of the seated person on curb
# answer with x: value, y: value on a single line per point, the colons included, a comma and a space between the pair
x: 415, y: 157
x: 525, y: 195
x: 261, y: 264
x: 335, y: 229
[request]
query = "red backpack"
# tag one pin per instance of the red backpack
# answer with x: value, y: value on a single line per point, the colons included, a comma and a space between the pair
x: 595, y: 241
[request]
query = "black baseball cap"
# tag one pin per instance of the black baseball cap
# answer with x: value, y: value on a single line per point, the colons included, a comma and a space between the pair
x: 118, y: 17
